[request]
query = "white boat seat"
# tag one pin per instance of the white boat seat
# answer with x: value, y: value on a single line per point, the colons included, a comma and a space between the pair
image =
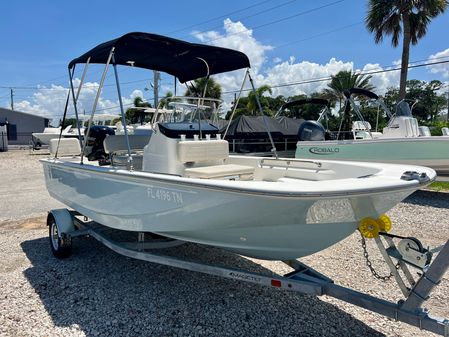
x: 224, y: 171
x: 68, y: 147
x: 117, y: 143
x: 202, y: 150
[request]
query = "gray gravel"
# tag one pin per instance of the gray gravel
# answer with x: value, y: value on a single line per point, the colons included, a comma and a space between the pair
x: 22, y: 187
x: 96, y: 292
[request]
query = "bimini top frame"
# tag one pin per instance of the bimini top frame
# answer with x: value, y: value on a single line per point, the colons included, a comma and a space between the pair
x: 184, y: 60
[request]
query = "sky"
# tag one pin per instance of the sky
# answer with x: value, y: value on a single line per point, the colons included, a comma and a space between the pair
x: 287, y: 41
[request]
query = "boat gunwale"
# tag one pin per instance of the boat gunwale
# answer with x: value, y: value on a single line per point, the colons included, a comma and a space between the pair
x: 375, y: 140
x: 160, y: 177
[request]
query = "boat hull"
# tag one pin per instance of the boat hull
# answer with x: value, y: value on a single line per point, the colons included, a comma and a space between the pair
x: 432, y: 152
x: 273, y: 227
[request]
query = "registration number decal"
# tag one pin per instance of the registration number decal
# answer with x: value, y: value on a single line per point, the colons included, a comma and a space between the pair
x: 167, y: 195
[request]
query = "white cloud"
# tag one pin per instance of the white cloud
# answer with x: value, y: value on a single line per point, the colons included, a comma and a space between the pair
x: 290, y: 71
x: 443, y: 68
x: 237, y: 36
x: 50, y: 101
x: 381, y: 81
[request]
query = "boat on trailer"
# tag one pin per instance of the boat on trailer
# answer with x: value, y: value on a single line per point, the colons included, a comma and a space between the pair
x: 182, y: 185
x: 185, y: 185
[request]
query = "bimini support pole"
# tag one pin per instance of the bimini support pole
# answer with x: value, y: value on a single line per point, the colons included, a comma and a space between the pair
x: 62, y: 124
x: 75, y: 107
x: 114, y: 65
x: 201, y: 100
x: 235, y: 104
x: 97, y: 98
x: 263, y: 115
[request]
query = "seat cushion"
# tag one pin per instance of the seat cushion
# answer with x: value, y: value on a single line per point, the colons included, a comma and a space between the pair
x: 202, y: 150
x: 220, y: 171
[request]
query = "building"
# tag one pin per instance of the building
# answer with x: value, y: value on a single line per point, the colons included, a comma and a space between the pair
x: 20, y: 125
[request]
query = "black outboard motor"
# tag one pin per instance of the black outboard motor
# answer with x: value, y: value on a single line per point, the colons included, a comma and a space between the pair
x: 311, y: 131
x: 94, y: 147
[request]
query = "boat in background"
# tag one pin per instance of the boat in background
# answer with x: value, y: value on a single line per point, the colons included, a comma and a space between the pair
x: 399, y: 143
x: 38, y: 139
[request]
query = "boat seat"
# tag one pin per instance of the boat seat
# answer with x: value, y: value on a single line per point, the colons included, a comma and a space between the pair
x: 117, y: 143
x: 225, y: 171
x: 68, y: 147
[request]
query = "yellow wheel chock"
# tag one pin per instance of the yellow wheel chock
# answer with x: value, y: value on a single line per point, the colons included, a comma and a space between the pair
x: 385, y: 223
x: 369, y: 228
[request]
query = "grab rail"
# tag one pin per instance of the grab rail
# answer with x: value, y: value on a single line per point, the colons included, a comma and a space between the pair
x: 287, y: 162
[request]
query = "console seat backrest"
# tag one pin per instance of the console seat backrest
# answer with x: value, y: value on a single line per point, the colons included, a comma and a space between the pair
x: 117, y: 143
x: 68, y: 147
x: 202, y: 150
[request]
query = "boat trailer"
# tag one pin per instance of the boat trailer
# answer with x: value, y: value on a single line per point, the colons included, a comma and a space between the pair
x: 65, y: 224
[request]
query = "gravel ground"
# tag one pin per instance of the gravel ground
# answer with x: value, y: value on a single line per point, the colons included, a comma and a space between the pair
x: 96, y: 292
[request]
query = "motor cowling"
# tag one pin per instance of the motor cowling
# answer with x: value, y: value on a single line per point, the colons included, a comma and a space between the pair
x: 94, y: 148
x: 311, y: 131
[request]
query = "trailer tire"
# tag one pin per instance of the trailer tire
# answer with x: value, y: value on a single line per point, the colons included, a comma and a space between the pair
x: 60, y: 243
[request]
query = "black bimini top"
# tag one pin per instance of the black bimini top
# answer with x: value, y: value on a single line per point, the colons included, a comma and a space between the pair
x: 175, y: 57
x: 316, y: 101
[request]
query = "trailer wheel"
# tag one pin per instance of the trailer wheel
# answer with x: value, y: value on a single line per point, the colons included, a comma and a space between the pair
x: 60, y: 243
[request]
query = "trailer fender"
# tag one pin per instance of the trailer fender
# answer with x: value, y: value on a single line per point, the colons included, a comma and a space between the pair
x: 63, y: 219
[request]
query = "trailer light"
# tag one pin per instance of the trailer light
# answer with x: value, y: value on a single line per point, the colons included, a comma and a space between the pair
x: 276, y: 283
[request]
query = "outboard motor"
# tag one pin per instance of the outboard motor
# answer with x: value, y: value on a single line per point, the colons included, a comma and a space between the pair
x: 311, y: 131
x: 94, y: 148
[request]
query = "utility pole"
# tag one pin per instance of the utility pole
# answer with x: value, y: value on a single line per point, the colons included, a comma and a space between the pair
x: 12, y: 99
x: 156, y: 78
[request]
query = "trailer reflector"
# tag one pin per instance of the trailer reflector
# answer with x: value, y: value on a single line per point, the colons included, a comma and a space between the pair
x: 276, y: 283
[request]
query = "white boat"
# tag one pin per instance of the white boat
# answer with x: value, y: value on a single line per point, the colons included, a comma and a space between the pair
x: 401, y: 142
x: 49, y: 133
x: 189, y: 188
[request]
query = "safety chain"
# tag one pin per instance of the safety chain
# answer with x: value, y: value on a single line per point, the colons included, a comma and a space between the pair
x: 383, y: 278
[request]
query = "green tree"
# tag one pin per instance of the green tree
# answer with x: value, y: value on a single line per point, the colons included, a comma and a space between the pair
x: 163, y: 103
x: 196, y: 89
x: 427, y: 103
x: 136, y: 114
x: 252, y: 101
x: 406, y: 18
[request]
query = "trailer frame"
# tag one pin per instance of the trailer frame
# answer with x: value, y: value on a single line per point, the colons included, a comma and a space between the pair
x: 303, y: 279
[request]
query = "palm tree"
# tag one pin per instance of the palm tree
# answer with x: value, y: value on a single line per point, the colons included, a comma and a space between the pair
x: 137, y: 115
x: 213, y: 89
x: 163, y: 103
x: 409, y: 18
x: 342, y: 81
x: 345, y: 80
x: 252, y: 102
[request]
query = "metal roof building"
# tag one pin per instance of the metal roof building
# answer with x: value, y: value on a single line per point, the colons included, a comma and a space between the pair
x: 20, y: 125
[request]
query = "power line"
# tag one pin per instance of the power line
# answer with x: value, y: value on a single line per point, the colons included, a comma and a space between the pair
x: 279, y: 20
x: 249, y: 16
x: 328, y: 78
x: 219, y: 17
x: 319, y: 34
